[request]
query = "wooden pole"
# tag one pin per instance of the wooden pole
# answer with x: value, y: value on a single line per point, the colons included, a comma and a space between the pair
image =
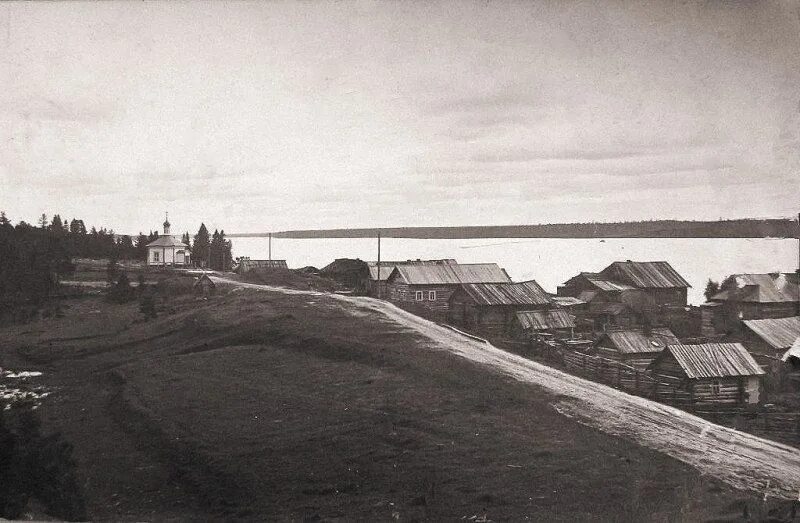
x: 379, y: 264
x: 270, y: 246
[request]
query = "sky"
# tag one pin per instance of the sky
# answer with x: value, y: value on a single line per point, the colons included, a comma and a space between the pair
x: 265, y: 116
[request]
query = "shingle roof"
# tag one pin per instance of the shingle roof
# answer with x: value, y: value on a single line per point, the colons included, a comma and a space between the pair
x: 604, y: 284
x: 167, y: 241
x: 525, y: 293
x: 545, y: 320
x: 567, y: 301
x: 715, y: 360
x: 779, y: 333
x: 793, y: 352
x: 646, y: 275
x: 636, y: 342
x: 761, y: 288
x: 451, y: 274
x: 388, y: 266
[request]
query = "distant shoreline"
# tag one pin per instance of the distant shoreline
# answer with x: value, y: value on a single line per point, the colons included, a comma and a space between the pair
x: 742, y: 228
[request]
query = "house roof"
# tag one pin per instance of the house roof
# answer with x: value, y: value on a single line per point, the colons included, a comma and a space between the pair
x: 636, y: 342
x: 761, y: 288
x: 793, y: 352
x: 646, y: 275
x: 451, y: 274
x: 567, y: 301
x: 779, y: 333
x: 545, y: 320
x: 604, y: 284
x: 715, y: 360
x: 167, y: 241
x: 525, y: 293
x: 388, y: 266
x: 608, y: 308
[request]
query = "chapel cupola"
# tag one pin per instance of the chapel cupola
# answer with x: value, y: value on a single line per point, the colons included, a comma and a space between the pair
x: 166, y: 225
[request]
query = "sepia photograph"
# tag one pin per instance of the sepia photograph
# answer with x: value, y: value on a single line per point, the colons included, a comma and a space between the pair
x: 404, y: 261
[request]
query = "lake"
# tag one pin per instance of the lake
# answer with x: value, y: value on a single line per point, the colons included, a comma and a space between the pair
x: 548, y: 261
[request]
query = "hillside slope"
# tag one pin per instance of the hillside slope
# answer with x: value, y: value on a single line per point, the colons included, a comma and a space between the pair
x: 267, y: 405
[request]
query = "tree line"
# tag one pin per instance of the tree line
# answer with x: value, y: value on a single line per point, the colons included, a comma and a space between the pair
x: 33, y: 257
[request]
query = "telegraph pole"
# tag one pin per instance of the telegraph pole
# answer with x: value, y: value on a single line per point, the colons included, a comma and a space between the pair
x: 270, y: 246
x: 379, y: 264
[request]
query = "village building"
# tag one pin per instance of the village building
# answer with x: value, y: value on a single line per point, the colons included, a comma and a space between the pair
x: 791, y: 367
x: 168, y: 250
x: 770, y: 337
x: 245, y: 264
x: 204, y: 286
x: 490, y: 307
x: 426, y: 289
x: 750, y: 297
x: 710, y: 375
x: 628, y: 294
x: 553, y: 323
x: 377, y: 278
x: 635, y: 348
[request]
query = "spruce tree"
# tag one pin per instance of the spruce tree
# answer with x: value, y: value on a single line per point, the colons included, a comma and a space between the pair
x: 201, y: 245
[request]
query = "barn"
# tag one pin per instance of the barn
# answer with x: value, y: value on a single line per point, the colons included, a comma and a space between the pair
x: 715, y: 375
x: 634, y: 347
x: 426, y: 289
x: 490, y: 307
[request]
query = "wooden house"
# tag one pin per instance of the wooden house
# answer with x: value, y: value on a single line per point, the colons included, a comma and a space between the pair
x: 711, y: 375
x: 771, y: 337
x: 635, y: 348
x: 529, y: 325
x: 628, y: 294
x: 657, y: 279
x: 377, y: 277
x: 490, y: 307
x: 791, y: 366
x: 751, y: 297
x: 426, y: 289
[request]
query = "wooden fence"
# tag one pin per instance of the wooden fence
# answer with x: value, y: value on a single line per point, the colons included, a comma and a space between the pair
x: 778, y: 426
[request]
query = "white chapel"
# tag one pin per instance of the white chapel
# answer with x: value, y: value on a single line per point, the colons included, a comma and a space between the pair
x: 167, y: 250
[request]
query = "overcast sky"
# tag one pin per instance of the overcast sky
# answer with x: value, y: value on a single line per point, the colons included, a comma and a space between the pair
x: 274, y: 116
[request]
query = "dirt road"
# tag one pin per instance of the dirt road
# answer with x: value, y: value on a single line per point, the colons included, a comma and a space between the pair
x: 742, y: 460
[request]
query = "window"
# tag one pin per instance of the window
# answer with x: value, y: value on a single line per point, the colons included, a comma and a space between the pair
x: 419, y: 295
x: 155, y: 256
x: 715, y: 385
x: 431, y: 295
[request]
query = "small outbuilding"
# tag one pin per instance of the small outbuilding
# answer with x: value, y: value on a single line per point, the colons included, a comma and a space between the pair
x: 708, y: 375
x: 490, y: 307
x: 530, y: 325
x: 634, y: 347
x: 204, y: 286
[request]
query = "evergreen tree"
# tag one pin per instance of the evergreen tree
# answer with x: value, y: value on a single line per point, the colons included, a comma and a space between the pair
x: 43, y: 221
x: 712, y: 288
x: 185, y: 239
x: 56, y: 225
x: 216, y: 251
x: 201, y: 245
x: 141, y: 247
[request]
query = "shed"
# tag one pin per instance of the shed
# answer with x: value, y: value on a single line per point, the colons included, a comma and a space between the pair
x: 490, y: 307
x: 529, y: 324
x: 708, y: 375
x: 634, y: 347
x: 204, y: 286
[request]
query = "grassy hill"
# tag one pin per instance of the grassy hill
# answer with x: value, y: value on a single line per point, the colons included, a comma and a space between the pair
x: 260, y: 405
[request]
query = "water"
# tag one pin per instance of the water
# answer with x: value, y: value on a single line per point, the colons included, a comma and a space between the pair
x: 548, y: 261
